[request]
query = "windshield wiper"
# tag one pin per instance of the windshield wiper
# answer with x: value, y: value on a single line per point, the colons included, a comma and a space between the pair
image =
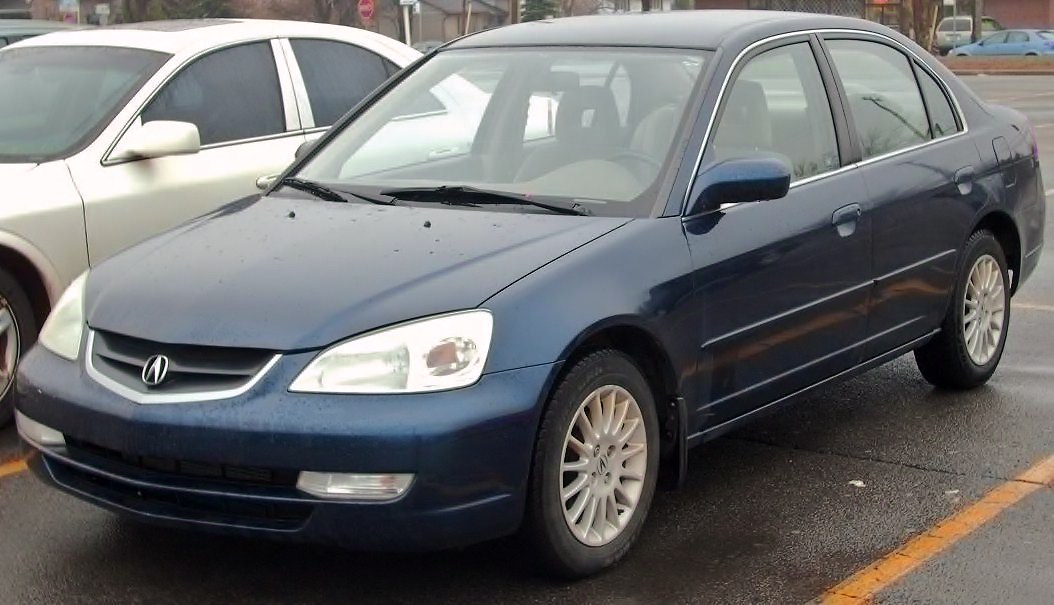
x: 329, y: 194
x: 465, y: 195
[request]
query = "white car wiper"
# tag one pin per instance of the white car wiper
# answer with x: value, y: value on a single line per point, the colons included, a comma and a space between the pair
x: 465, y: 195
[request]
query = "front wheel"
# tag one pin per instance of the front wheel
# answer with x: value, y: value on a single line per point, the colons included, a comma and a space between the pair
x: 967, y: 351
x: 18, y: 330
x: 595, y: 466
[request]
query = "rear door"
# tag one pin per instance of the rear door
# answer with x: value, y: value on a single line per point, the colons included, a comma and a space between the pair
x: 248, y: 129
x: 784, y: 283
x: 330, y: 77
x: 1016, y: 43
x: 919, y: 171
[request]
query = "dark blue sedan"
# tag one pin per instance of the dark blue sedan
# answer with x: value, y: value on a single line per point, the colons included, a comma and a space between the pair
x: 627, y: 236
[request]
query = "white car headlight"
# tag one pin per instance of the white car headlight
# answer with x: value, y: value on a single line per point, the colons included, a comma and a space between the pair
x: 63, y: 329
x: 434, y: 354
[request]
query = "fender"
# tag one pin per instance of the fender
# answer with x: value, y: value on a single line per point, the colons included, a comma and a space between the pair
x: 52, y: 284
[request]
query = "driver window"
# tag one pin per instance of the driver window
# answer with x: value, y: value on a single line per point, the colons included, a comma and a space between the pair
x: 777, y: 106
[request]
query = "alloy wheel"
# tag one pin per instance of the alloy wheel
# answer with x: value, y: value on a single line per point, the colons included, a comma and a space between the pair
x: 604, y: 465
x: 9, y: 347
x: 983, y: 310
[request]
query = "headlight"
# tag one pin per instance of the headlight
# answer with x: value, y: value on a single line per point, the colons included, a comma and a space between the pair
x: 435, y: 354
x: 63, y: 329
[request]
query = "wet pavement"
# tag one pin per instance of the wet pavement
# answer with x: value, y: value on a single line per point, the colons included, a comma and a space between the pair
x: 770, y: 514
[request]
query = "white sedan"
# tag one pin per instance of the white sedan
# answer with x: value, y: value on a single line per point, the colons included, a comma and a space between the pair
x: 110, y: 135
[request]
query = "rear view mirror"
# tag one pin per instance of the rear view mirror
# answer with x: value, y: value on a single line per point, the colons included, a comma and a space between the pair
x: 160, y: 139
x: 739, y: 180
x: 304, y: 148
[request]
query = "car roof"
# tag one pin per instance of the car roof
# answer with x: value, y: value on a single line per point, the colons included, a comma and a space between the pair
x: 195, y: 35
x: 704, y: 29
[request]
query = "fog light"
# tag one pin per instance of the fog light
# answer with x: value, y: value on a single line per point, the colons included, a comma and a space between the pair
x: 347, y: 486
x: 36, y: 433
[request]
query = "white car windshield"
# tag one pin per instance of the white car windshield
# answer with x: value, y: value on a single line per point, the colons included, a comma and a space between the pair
x: 55, y: 99
x: 592, y: 126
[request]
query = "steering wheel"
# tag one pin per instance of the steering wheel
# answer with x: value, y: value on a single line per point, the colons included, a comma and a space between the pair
x: 642, y: 165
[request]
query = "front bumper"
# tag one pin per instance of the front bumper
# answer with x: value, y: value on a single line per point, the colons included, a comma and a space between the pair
x: 230, y: 465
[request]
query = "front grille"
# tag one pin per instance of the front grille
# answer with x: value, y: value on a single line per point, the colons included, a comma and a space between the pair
x: 132, y: 465
x: 177, y: 504
x: 192, y: 369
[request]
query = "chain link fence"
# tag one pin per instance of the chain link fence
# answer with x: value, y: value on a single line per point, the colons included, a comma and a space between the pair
x: 845, y: 8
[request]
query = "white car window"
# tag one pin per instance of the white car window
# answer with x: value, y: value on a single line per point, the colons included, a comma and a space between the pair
x: 337, y: 76
x: 230, y: 95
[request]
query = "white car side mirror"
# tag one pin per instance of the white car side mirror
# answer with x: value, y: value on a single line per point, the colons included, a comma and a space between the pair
x: 162, y: 138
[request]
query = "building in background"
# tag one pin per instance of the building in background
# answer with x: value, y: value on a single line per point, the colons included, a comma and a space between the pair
x: 1021, y: 13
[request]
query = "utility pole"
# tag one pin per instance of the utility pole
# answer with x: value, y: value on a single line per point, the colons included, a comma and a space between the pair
x: 978, y: 10
x: 514, y: 11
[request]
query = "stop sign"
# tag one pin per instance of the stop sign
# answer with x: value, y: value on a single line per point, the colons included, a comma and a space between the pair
x: 366, y: 10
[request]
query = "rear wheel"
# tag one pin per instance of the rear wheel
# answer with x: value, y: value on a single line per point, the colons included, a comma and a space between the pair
x: 967, y: 351
x: 18, y: 330
x: 595, y: 466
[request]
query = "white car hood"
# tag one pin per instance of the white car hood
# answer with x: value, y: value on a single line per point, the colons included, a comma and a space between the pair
x: 10, y: 170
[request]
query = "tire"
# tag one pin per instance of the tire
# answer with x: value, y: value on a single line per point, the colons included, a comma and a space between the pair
x: 607, y: 373
x: 948, y: 360
x: 16, y: 314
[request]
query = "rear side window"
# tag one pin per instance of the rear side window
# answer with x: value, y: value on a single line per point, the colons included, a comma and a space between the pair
x: 338, y: 76
x: 778, y: 105
x: 884, y: 99
x: 1017, y: 37
x: 230, y: 95
x: 950, y: 25
x: 942, y: 116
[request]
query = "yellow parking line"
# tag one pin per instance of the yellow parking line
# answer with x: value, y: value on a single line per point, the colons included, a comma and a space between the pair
x: 12, y: 467
x: 1033, y: 307
x: 863, y: 586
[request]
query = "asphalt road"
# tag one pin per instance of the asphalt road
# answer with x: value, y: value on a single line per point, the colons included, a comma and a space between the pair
x: 769, y: 514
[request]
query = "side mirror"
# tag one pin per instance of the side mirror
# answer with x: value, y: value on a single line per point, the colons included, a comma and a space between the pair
x: 162, y: 138
x: 304, y: 148
x: 739, y: 180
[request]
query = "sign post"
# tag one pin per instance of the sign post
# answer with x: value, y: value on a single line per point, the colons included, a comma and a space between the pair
x: 407, y: 5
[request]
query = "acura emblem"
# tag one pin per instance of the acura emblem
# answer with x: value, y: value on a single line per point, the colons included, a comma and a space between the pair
x: 155, y: 370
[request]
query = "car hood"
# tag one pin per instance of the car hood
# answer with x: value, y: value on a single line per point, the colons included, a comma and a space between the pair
x: 288, y: 274
x: 8, y: 171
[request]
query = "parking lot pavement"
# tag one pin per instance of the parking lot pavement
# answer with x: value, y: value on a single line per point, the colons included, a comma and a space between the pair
x: 775, y: 513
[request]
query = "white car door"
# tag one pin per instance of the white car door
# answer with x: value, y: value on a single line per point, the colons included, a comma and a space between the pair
x: 241, y: 101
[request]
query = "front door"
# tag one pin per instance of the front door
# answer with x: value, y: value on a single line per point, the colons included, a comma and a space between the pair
x: 234, y: 97
x: 783, y: 284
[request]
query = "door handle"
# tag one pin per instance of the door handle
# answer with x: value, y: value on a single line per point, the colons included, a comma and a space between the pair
x: 964, y: 178
x: 845, y: 219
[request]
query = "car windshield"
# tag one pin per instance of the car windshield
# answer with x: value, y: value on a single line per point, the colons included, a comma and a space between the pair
x: 593, y: 127
x: 1046, y: 35
x: 53, y: 100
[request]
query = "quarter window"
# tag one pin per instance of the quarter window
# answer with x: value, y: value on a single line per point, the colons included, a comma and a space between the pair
x: 337, y: 76
x: 778, y: 105
x: 230, y: 95
x: 884, y: 99
x: 942, y: 116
